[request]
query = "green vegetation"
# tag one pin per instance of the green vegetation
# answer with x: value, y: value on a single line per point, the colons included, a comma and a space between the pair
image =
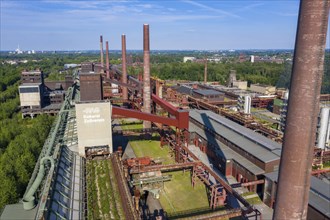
x: 102, y: 191
x: 264, y: 73
x: 251, y: 197
x: 128, y: 125
x: 179, y: 195
x: 143, y: 148
x: 22, y: 141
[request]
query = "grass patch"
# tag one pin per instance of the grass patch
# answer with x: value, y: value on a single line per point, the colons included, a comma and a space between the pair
x: 251, y: 197
x: 103, y: 198
x: 179, y: 195
x: 151, y: 148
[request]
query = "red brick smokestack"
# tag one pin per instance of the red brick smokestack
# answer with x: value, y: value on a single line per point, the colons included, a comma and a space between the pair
x: 101, y: 51
x: 107, y: 59
x: 303, y: 109
x: 205, y: 71
x: 124, y: 77
x: 146, y: 74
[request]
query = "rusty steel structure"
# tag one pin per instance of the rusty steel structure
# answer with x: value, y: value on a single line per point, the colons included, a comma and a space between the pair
x: 107, y: 59
x: 299, y: 138
x: 124, y: 70
x: 146, y: 74
x: 101, y: 50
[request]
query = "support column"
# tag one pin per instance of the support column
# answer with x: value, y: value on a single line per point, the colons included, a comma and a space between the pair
x: 303, y: 108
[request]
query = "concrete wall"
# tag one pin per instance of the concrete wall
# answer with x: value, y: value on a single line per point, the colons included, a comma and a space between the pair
x: 240, y: 84
x: 94, y: 125
x: 30, y: 98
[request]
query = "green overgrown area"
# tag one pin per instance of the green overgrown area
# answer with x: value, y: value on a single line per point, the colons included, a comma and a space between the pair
x: 103, y: 197
x: 178, y: 194
x: 251, y: 197
x: 151, y: 148
x: 21, y: 140
x: 129, y: 125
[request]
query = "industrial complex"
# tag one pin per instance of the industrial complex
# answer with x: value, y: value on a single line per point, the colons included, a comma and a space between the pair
x: 134, y: 147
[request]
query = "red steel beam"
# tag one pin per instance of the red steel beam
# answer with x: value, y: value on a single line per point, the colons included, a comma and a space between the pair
x: 145, y: 116
x: 164, y: 104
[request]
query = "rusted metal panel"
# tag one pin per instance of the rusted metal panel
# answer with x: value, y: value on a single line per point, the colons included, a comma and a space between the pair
x: 303, y: 109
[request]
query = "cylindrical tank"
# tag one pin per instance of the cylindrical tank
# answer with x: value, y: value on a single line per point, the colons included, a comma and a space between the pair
x: 247, y: 105
x: 323, y: 129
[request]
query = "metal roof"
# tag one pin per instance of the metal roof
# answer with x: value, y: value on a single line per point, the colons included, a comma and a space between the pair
x: 226, y: 152
x: 253, y: 143
x: 319, y: 193
x: 207, y: 92
x: 184, y: 89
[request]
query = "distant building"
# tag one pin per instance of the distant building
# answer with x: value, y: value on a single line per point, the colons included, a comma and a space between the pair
x: 264, y: 89
x: 185, y: 59
x: 70, y: 65
x: 240, y: 84
x: 39, y: 97
x: 252, y: 59
x: 208, y: 95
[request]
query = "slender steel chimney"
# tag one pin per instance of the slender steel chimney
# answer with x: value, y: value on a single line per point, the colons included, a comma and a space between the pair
x: 124, y: 76
x: 303, y: 108
x: 101, y: 51
x: 107, y: 59
x: 205, y: 71
x: 146, y: 74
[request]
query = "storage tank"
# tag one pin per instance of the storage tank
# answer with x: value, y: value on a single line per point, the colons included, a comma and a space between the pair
x: 323, y: 133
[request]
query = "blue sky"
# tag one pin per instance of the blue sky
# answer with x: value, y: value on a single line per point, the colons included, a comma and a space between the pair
x: 174, y: 24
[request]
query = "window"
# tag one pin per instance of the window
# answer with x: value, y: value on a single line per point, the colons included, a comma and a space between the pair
x: 28, y: 90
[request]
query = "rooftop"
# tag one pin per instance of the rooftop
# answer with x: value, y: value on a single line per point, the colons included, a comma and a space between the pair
x: 226, y: 152
x: 255, y: 144
x: 319, y: 193
x: 207, y: 92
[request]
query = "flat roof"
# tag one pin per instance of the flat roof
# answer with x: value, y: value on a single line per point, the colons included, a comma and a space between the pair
x: 16, y: 211
x: 225, y: 151
x: 207, y: 92
x: 255, y: 144
x: 30, y: 84
x: 319, y: 193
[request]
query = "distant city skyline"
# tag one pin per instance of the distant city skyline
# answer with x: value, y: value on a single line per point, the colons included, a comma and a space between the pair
x: 174, y: 25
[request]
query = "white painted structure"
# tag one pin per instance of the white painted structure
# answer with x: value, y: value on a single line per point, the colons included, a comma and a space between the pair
x: 324, y: 128
x: 94, y: 125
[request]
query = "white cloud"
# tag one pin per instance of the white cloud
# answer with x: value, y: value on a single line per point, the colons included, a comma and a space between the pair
x: 220, y: 11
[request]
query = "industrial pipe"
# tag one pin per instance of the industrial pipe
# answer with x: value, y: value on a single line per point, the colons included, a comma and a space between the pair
x: 107, y: 63
x: 303, y: 108
x: 29, y: 199
x: 146, y: 74
x: 124, y: 76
